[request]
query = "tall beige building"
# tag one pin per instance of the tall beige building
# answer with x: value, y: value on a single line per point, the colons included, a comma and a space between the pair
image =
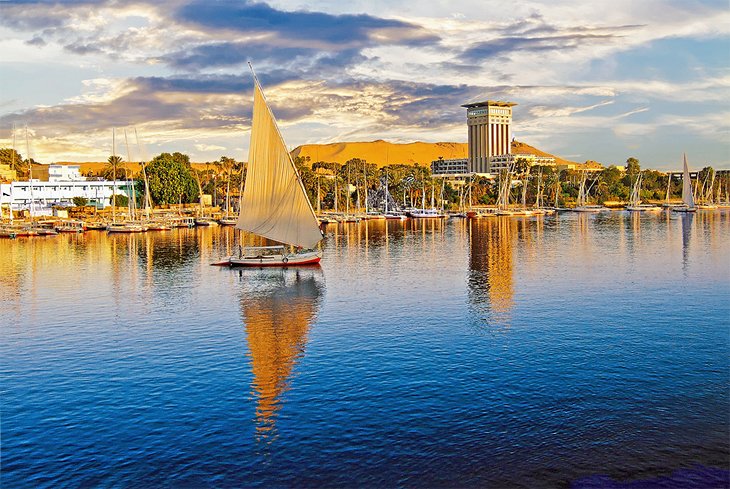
x: 490, y: 132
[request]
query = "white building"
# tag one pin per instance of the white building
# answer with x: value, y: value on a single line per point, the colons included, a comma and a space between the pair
x: 65, y: 173
x: 18, y: 195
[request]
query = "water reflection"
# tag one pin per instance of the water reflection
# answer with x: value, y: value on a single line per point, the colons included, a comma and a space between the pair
x: 491, y: 263
x: 278, y: 307
x: 687, y: 220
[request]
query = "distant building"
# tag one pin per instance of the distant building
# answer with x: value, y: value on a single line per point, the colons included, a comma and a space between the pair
x: 18, y: 195
x: 449, y: 167
x: 65, y: 173
x: 490, y: 133
x: 503, y: 162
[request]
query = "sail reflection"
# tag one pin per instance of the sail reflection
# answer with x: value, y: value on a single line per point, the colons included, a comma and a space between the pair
x: 687, y: 220
x: 278, y: 307
x: 491, y: 262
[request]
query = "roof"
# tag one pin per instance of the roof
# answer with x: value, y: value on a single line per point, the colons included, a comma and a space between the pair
x: 489, y: 103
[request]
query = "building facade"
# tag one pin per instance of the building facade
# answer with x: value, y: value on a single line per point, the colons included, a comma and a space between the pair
x: 506, y: 162
x: 489, y: 132
x: 449, y: 167
x: 19, y: 195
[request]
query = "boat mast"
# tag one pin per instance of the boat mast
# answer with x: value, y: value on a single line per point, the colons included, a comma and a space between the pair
x: 365, y: 181
x: 132, y: 202
x: 386, y: 191
x: 669, y: 185
x: 114, y: 177
x: 319, y: 206
x: 147, y: 197
x: 30, y: 173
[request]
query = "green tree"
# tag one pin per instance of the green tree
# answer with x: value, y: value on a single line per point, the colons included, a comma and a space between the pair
x: 171, y: 179
x: 119, y: 200
x: 80, y: 201
x: 632, y: 168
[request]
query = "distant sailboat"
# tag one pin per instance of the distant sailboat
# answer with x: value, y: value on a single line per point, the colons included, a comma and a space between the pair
x: 687, y: 196
x: 274, y: 203
x: 635, y: 204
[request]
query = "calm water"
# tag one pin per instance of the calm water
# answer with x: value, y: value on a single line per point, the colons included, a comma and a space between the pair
x: 539, y: 352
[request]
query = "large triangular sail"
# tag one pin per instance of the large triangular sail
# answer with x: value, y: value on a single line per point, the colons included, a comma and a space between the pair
x: 687, y: 196
x: 274, y: 204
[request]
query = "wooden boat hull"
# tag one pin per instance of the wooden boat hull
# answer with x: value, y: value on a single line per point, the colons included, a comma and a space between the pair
x: 639, y: 208
x: 296, y: 260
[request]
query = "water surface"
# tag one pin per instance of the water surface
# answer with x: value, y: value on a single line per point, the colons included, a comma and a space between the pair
x: 504, y: 352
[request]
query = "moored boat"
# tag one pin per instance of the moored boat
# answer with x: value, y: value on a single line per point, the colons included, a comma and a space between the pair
x: 274, y: 204
x: 71, y: 227
x: 688, y: 200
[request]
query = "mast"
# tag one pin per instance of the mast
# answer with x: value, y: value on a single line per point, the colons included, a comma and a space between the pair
x: 147, y: 197
x: 687, y: 196
x: 319, y: 206
x: 30, y: 174
x: 365, y: 181
x: 386, y: 191
x: 276, y: 202
x: 132, y: 202
x: 336, y: 196
x: 228, y: 189
x: 669, y: 185
x: 114, y: 177
x: 347, y: 190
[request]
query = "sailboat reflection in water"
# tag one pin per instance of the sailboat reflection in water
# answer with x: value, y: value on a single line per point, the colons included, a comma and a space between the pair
x: 278, y: 307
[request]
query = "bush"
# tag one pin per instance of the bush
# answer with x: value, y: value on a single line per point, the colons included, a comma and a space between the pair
x: 120, y: 200
x: 80, y: 201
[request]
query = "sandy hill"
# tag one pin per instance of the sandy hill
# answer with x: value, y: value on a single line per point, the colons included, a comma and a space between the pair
x: 382, y: 152
x: 97, y: 167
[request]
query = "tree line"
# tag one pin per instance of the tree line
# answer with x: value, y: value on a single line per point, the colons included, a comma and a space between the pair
x: 172, y: 179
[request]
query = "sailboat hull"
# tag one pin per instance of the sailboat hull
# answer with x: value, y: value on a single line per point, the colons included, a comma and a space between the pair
x: 258, y: 261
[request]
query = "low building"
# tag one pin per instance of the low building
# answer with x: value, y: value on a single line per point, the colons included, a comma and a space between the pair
x: 449, y: 167
x: 65, y: 173
x: 19, y: 195
x: 505, y: 162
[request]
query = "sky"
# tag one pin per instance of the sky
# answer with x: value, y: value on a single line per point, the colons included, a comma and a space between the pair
x: 600, y: 80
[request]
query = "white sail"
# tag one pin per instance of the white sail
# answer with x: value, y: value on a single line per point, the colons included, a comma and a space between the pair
x: 274, y: 204
x: 687, y: 196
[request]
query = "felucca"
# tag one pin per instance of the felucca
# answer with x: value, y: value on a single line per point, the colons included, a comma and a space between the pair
x: 274, y: 203
x: 635, y: 204
x: 688, y: 198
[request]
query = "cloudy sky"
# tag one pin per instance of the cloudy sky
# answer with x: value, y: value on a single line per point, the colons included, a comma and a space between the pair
x: 600, y: 80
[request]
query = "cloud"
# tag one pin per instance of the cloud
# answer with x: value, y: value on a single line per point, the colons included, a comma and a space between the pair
x: 329, y: 30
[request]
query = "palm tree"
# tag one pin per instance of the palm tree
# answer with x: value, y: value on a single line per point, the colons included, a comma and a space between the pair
x: 113, y: 163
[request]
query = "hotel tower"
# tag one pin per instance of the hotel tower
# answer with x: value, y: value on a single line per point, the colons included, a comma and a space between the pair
x: 490, y: 132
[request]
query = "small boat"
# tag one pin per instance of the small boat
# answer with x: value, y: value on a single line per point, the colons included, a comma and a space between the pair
x: 707, y: 206
x: 42, y: 231
x: 688, y: 200
x: 227, y: 221
x: 275, y: 201
x: 7, y: 233
x: 205, y: 221
x: 126, y: 227
x: 157, y: 226
x: 395, y: 216
x: 589, y: 208
x: 96, y: 226
x: 426, y: 214
x: 182, y: 222
x: 71, y: 227
x: 635, y: 204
